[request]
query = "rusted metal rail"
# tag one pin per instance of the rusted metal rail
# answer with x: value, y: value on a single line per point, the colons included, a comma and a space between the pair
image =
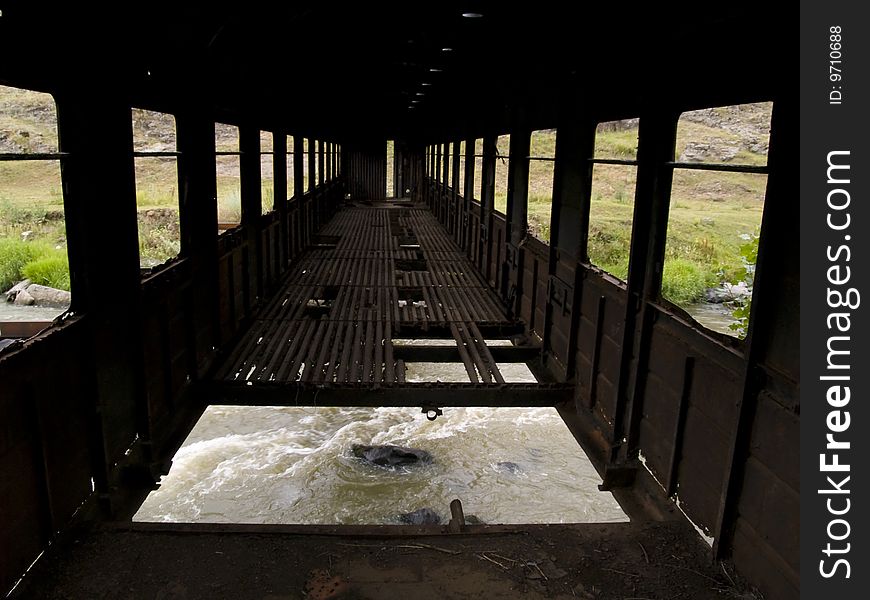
x: 374, y: 275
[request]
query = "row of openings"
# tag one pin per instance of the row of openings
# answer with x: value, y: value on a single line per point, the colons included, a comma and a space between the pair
x: 715, y: 209
x: 32, y: 222
x: 319, y: 158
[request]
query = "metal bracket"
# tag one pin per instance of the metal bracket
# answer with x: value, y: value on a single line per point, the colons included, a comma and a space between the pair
x: 618, y: 476
x: 432, y: 412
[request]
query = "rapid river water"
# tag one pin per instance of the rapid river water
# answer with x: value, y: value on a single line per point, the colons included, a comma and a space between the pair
x: 295, y: 465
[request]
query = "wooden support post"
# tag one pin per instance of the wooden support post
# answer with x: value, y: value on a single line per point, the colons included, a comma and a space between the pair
x: 431, y: 165
x: 516, y: 216
x: 433, y: 162
x: 249, y: 145
x: 310, y: 204
x: 445, y: 175
x: 321, y: 164
x: 400, y: 164
x: 312, y: 174
x: 437, y: 172
x: 776, y: 270
x: 298, y: 241
x: 449, y: 165
x: 569, y: 224
x: 99, y: 188
x: 279, y: 177
x: 457, y: 517
x: 656, y: 142
x: 468, y: 193
x: 198, y: 217
x: 487, y: 204
x: 455, y: 212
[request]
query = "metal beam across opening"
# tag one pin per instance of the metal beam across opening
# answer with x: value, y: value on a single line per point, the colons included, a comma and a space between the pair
x: 374, y: 275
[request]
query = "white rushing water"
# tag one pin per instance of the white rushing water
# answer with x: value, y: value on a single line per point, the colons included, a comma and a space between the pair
x: 295, y: 465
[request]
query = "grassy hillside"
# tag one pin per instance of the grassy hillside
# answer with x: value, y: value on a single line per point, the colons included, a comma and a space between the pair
x: 712, y: 214
x: 31, y: 198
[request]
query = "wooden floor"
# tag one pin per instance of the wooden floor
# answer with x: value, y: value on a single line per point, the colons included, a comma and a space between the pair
x: 373, y: 275
x: 607, y: 561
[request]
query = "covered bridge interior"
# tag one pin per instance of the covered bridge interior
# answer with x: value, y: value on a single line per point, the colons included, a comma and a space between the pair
x: 387, y: 127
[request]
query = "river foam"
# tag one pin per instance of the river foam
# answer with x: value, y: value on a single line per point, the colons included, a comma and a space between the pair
x: 294, y: 465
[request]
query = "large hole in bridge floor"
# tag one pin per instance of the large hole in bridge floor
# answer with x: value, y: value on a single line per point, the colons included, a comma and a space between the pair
x: 297, y: 465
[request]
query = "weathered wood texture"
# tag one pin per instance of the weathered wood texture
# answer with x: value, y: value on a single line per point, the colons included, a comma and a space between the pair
x: 714, y: 421
x: 49, y: 442
x: 108, y: 391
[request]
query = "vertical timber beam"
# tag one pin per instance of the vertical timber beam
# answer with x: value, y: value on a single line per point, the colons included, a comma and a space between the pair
x: 775, y: 267
x: 400, y: 153
x: 516, y: 214
x: 312, y: 174
x: 279, y: 179
x: 468, y: 193
x: 569, y: 225
x: 320, y: 163
x: 445, y: 174
x: 99, y: 187
x: 310, y: 204
x: 198, y: 217
x: 656, y: 144
x: 449, y: 167
x: 249, y: 145
x: 298, y: 193
x: 455, y: 212
x: 487, y: 203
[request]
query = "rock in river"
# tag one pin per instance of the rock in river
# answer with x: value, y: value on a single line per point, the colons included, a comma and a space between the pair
x: 422, y: 516
x: 508, y: 467
x: 47, y: 296
x: 391, y: 456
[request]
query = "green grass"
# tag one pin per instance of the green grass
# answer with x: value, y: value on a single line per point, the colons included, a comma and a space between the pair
x: 32, y: 227
x: 711, y: 214
x: 14, y: 256
x: 51, y: 270
x: 616, y: 144
x: 31, y: 221
x: 684, y: 281
x: 34, y: 260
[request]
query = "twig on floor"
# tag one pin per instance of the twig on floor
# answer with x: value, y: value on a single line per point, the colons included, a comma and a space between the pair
x: 504, y: 557
x: 621, y: 572
x: 645, y: 555
x: 534, y: 564
x: 416, y: 546
x: 429, y: 547
x: 495, y: 562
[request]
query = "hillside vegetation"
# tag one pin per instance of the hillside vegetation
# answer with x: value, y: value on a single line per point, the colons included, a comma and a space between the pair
x: 712, y: 214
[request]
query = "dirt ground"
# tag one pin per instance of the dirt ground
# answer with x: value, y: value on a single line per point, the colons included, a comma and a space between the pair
x: 172, y: 561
